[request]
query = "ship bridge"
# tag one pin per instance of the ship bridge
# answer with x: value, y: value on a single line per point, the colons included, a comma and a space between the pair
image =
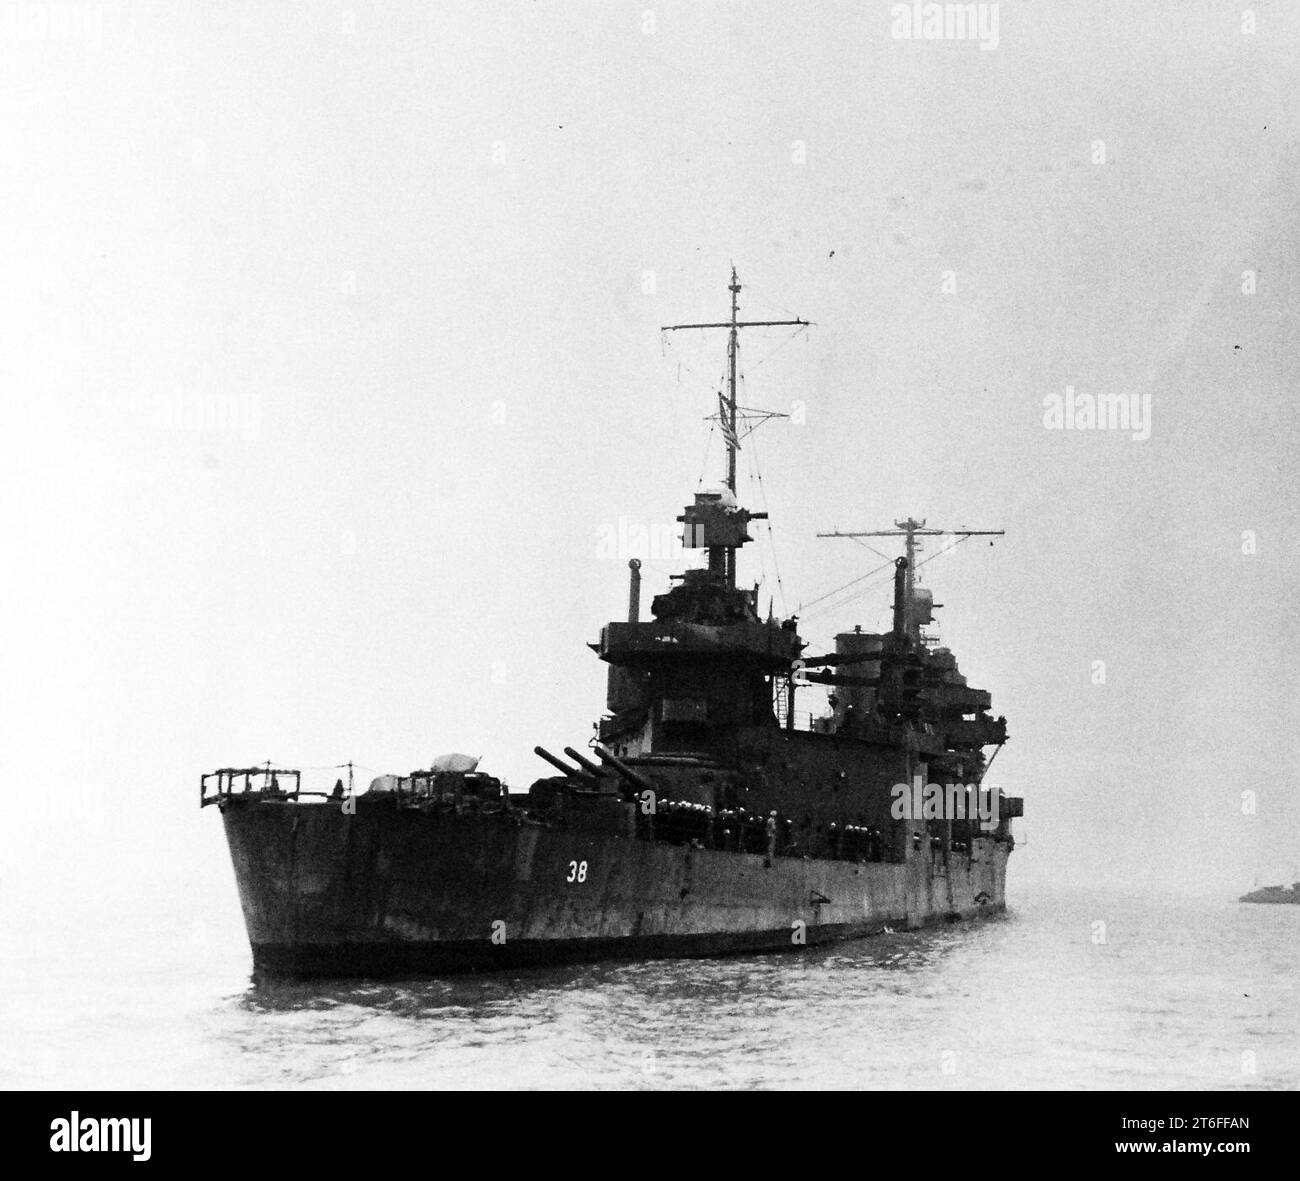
x: 704, y: 660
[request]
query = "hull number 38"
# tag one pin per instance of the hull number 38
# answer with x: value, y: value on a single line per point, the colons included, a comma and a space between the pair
x: 577, y: 871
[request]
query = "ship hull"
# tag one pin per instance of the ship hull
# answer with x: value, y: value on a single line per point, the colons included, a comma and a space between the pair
x: 391, y: 892
x: 1273, y: 896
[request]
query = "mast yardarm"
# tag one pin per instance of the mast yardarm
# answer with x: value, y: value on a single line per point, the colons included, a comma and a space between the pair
x: 725, y: 560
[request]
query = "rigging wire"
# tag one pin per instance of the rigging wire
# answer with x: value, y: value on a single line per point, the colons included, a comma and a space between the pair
x: 695, y: 373
x: 771, y: 536
x: 704, y: 465
x: 788, y: 340
x: 762, y: 558
x: 765, y: 299
x: 841, y: 603
x: 872, y: 548
x: 324, y: 767
x: 852, y: 582
x: 753, y: 479
x: 940, y: 553
x: 277, y: 765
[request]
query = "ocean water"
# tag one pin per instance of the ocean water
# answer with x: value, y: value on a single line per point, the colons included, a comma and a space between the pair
x: 1167, y: 993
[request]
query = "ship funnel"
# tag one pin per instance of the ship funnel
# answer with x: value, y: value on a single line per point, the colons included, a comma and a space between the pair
x: 625, y: 687
x: 634, y: 591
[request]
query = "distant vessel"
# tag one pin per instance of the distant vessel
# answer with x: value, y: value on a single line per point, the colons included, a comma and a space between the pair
x: 703, y: 820
x: 1283, y: 894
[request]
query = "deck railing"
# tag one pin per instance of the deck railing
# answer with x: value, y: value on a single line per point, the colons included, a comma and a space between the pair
x: 265, y: 782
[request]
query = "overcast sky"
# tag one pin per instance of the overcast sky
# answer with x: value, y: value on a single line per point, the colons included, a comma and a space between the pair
x: 331, y: 345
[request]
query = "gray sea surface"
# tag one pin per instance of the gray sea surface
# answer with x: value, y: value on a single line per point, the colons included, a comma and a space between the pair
x: 1073, y: 988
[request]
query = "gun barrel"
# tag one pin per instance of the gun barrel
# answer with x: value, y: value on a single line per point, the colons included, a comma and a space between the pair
x: 623, y: 769
x: 584, y: 763
x: 559, y: 764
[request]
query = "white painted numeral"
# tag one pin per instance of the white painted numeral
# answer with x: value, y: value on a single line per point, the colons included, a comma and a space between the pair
x: 577, y: 871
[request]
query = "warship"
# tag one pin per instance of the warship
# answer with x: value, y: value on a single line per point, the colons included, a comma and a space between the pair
x: 701, y: 819
x: 1283, y: 894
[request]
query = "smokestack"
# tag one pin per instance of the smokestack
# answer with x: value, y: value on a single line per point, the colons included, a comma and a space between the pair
x: 634, y: 591
x: 625, y: 687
